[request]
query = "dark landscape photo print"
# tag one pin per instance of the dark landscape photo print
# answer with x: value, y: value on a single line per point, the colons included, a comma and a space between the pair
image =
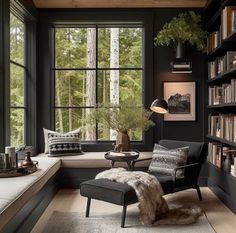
x: 181, y: 98
x: 179, y: 104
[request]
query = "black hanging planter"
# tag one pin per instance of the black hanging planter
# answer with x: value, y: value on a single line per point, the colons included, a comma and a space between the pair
x: 180, y: 63
x: 180, y: 51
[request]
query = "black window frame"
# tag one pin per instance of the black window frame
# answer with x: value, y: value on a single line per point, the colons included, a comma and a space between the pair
x: 96, y: 69
x: 48, y: 19
x: 30, y: 20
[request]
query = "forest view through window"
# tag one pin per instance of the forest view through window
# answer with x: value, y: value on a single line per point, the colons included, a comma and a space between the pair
x: 95, y: 65
x: 17, y: 81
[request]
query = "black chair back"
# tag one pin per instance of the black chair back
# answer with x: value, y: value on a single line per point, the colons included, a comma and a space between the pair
x: 197, y: 150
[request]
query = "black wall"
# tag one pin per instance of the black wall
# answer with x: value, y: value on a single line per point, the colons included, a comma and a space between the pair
x: 190, y: 131
x: 157, y: 68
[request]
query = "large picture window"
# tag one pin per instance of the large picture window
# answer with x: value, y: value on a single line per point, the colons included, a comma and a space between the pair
x: 96, y: 65
x: 17, y: 81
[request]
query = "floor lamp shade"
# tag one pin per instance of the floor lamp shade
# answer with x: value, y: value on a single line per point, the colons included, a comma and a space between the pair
x: 159, y: 106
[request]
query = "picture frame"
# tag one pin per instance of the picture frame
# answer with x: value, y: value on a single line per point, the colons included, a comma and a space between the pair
x: 181, y: 99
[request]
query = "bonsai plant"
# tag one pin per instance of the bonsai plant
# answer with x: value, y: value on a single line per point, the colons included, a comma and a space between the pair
x: 186, y: 27
x: 122, y: 118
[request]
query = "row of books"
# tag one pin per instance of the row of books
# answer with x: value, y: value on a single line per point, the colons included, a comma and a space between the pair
x: 222, y: 126
x: 228, y: 21
x: 223, y: 94
x: 222, y: 64
x: 214, y: 153
x: 228, y: 25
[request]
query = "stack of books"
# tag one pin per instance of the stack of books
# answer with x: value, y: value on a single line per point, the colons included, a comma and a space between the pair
x: 214, y: 153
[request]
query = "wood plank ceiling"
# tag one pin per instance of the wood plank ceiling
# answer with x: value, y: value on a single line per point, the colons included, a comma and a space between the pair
x: 118, y: 3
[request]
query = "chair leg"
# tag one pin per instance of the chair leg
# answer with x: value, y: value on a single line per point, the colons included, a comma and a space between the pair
x: 123, y: 216
x: 88, y: 207
x: 199, y: 193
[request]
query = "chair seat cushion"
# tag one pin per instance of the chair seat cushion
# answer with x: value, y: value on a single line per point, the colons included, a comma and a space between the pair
x: 109, y: 191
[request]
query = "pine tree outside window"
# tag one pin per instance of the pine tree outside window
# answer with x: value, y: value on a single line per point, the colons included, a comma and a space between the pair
x: 93, y: 65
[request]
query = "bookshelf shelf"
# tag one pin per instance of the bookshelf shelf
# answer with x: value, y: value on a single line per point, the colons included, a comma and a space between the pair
x: 222, y: 105
x: 217, y: 139
x: 222, y: 78
x: 231, y: 38
x: 228, y: 3
x: 214, y: 19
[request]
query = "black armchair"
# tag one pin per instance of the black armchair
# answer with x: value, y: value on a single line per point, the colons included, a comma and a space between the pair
x: 196, y: 156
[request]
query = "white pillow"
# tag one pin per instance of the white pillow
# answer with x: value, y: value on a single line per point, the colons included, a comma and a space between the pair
x: 47, y: 131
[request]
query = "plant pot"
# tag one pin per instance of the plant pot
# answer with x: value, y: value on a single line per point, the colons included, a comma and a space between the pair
x: 122, y: 142
x: 180, y: 50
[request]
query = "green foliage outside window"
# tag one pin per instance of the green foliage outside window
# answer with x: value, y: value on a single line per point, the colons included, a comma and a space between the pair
x: 73, y: 69
x: 17, y: 78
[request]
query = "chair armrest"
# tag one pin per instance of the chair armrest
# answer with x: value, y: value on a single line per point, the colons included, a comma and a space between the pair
x: 184, y: 167
x: 139, y: 160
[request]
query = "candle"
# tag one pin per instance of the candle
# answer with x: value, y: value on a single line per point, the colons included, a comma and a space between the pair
x: 12, y: 155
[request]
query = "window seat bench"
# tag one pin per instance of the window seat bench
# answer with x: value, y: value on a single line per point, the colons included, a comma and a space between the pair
x: 18, y: 194
x: 78, y: 168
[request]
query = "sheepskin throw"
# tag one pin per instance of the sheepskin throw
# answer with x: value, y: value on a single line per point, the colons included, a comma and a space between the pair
x: 152, y: 205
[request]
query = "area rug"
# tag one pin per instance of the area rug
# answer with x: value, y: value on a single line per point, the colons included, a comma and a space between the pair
x: 71, y: 222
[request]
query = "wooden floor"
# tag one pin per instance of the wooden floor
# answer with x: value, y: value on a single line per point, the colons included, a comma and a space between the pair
x: 69, y: 200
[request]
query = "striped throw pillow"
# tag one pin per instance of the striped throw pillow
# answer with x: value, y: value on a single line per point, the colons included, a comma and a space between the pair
x: 64, y: 144
x: 164, y: 161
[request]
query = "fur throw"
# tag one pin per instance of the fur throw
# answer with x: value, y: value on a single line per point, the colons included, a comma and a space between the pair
x: 153, y: 208
x: 148, y: 190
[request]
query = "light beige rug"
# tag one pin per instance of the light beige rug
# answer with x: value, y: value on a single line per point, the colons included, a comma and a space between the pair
x: 71, y: 222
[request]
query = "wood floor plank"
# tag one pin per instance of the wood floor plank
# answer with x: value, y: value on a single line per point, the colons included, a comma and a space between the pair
x: 70, y: 200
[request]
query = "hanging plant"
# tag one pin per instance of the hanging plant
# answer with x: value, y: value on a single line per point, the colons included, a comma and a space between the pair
x: 186, y: 27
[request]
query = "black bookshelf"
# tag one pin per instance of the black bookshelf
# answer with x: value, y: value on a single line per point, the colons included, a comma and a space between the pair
x: 218, y: 178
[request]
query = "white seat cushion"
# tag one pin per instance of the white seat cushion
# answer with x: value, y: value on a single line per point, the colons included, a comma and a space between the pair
x: 16, y: 191
x: 96, y: 160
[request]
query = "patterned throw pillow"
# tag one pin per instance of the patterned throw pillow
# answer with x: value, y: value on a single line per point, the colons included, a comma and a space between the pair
x: 47, y: 131
x: 164, y: 161
x: 64, y: 144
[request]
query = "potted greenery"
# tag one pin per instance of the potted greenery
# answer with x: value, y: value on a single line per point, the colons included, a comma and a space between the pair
x: 186, y: 27
x: 122, y: 118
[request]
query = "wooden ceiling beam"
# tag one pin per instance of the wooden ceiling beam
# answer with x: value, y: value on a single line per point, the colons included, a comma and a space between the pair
x: 118, y: 3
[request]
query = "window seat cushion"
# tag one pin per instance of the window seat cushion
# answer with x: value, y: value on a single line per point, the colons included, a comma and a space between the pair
x: 16, y: 191
x: 96, y: 160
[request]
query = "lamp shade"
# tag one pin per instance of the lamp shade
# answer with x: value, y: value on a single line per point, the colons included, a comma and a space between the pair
x: 159, y: 106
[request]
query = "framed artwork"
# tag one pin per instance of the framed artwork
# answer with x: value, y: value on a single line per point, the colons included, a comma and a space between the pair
x: 181, y: 99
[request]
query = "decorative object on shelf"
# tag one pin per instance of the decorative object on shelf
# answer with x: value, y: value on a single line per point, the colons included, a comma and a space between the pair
x: 181, y: 99
x: 227, y: 163
x: 22, y: 150
x: 122, y: 118
x: 185, y: 28
x: 27, y: 162
x: 12, y: 155
x: 20, y: 171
